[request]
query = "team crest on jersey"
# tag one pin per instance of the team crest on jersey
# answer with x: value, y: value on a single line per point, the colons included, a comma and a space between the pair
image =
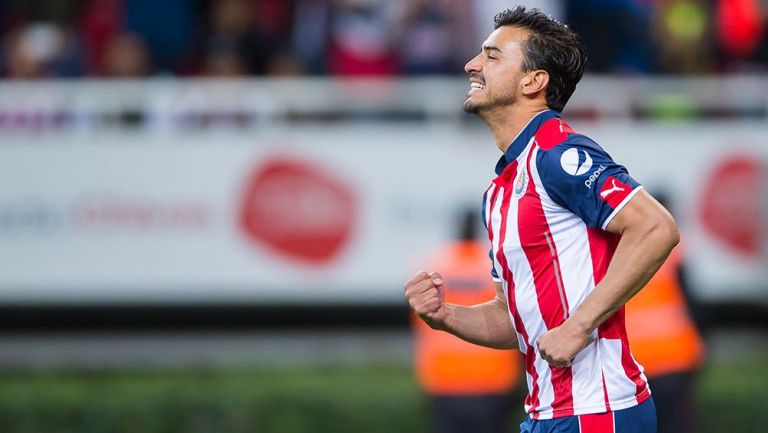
x: 521, y: 183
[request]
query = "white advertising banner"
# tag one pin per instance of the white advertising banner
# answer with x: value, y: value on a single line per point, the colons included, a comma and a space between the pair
x: 323, y: 213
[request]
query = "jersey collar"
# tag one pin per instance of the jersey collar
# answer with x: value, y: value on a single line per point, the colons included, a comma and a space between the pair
x: 521, y: 141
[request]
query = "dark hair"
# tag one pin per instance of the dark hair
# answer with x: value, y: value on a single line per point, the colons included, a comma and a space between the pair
x: 552, y: 47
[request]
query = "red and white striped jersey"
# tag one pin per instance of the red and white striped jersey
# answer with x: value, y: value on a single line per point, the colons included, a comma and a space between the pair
x: 546, y: 212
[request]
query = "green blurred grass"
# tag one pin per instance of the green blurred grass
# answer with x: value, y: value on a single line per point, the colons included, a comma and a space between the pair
x: 372, y: 398
x: 733, y: 396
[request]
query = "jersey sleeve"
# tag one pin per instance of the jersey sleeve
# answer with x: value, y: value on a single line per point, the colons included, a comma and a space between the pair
x: 580, y: 176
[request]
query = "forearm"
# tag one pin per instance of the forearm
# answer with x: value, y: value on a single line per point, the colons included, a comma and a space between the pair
x: 485, y: 324
x: 639, y: 254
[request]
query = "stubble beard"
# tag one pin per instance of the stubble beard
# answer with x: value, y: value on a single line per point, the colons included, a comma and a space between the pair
x: 476, y: 107
x: 470, y: 107
x: 482, y: 108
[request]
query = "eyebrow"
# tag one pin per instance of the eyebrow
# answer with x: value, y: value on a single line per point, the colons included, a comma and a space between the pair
x: 491, y: 48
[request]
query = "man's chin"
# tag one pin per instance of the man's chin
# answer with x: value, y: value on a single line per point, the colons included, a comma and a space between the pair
x: 470, y: 107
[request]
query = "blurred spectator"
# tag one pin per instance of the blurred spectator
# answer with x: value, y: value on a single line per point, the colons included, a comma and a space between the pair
x: 741, y: 24
x: 683, y: 32
x: 469, y: 385
x: 310, y: 35
x: 167, y: 26
x: 127, y: 56
x: 285, y: 65
x: 99, y: 22
x: 615, y: 32
x: 436, y: 37
x: 163, y: 30
x: 233, y: 44
x: 274, y: 18
x: 41, y: 50
x: 223, y: 58
x: 361, y: 37
x: 741, y: 31
x: 369, y: 37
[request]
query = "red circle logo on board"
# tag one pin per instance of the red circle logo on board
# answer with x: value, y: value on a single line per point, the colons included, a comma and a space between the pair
x: 732, y: 207
x: 298, y: 210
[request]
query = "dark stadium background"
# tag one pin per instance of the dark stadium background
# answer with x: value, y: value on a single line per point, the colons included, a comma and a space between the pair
x: 161, y: 272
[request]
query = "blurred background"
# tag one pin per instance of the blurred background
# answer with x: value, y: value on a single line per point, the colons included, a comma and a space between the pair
x: 208, y: 208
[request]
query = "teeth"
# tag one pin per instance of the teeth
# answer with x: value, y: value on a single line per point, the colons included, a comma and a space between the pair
x: 478, y: 86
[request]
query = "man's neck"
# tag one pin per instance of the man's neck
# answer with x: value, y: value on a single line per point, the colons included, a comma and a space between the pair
x: 507, y: 124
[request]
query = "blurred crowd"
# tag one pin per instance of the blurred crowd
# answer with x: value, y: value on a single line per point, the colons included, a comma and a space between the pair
x: 229, y: 38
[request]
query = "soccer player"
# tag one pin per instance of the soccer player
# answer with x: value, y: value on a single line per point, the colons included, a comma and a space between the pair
x: 573, y: 237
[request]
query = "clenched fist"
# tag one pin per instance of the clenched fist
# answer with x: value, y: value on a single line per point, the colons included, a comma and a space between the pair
x: 559, y: 346
x: 424, y: 293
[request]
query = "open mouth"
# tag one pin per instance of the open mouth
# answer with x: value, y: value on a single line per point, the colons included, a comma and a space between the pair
x: 474, y: 85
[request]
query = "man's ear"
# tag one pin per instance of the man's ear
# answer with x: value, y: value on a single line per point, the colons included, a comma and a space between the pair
x: 534, y: 82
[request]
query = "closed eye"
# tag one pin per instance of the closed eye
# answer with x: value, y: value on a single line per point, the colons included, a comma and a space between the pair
x: 487, y: 49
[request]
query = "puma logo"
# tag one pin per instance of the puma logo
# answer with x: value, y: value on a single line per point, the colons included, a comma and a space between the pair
x: 608, y: 192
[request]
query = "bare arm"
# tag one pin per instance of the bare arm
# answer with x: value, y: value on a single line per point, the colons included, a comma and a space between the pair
x: 487, y: 324
x: 648, y: 234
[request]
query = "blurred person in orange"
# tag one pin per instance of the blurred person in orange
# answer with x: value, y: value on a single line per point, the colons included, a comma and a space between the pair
x: 470, y: 386
x: 665, y: 340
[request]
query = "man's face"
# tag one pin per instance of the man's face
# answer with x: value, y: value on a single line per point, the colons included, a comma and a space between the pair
x: 495, y: 73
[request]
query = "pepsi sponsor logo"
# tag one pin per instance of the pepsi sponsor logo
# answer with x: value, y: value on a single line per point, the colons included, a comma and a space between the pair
x: 594, y: 176
x: 576, y: 161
